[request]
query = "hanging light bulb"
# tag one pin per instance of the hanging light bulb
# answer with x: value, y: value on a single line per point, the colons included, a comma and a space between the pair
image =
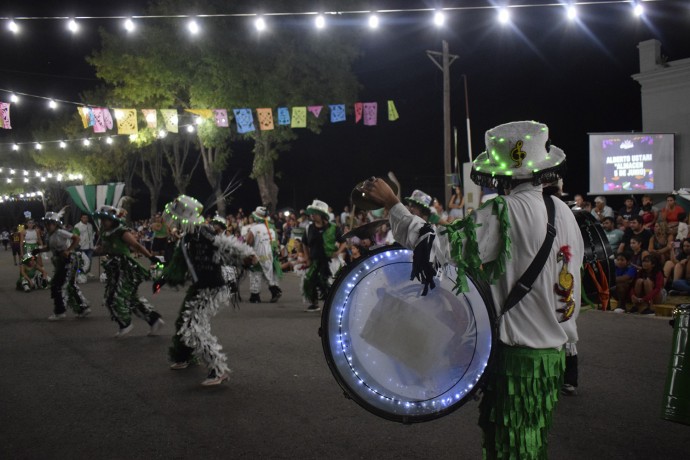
x: 73, y: 26
x: 260, y: 24
x: 373, y: 21
x: 198, y: 121
x: 12, y: 172
x: 15, y: 147
x: 439, y: 19
x: 571, y: 12
x: 12, y: 26
x: 38, y: 146
x: 86, y: 142
x: 193, y: 27
x: 129, y: 25
x: 26, y: 180
x: 638, y: 9
x: 63, y: 144
x: 26, y: 173
x: 190, y: 129
x: 14, y: 98
x: 52, y: 104
x: 503, y: 16
x: 108, y: 140
x: 43, y: 179
x: 320, y: 21
x: 162, y: 133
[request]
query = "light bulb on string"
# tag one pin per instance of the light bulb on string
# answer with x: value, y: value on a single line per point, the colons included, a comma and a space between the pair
x: 439, y: 19
x: 9, y: 180
x: 12, y: 26
x: 129, y: 25
x: 52, y: 104
x: 638, y: 9
x: 503, y: 16
x: 12, y: 172
x: 14, y: 98
x: 190, y: 129
x: 63, y: 144
x: 43, y: 179
x: 260, y: 24
x: 86, y: 142
x: 108, y: 140
x: 26, y: 173
x: 193, y: 27
x: 38, y: 146
x: 571, y: 12
x: 37, y: 174
x: 320, y: 21
x: 373, y: 21
x: 15, y: 147
x: 198, y: 121
x: 73, y: 26
x: 26, y: 180
x: 162, y: 133
x: 59, y: 177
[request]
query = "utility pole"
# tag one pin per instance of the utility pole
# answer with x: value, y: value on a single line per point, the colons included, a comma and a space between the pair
x: 443, y: 60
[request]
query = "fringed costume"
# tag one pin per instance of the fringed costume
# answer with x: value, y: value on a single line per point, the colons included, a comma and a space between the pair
x: 264, y: 243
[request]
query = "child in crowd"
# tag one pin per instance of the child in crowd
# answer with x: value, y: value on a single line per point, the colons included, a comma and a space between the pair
x: 681, y: 274
x: 636, y: 248
x: 648, y: 286
x: 625, y: 274
x: 31, y: 275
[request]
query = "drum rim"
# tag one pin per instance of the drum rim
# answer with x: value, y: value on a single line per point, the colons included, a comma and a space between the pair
x: 484, y: 292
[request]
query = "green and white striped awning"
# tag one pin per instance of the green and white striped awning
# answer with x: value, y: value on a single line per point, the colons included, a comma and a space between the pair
x: 90, y: 197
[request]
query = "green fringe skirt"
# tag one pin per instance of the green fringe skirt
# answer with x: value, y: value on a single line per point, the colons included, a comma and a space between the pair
x: 522, y: 391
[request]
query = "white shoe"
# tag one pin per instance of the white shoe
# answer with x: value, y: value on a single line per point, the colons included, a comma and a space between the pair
x: 619, y: 310
x: 27, y: 288
x: 86, y: 312
x: 57, y: 317
x: 215, y: 380
x: 179, y: 366
x: 156, y: 326
x: 124, y: 331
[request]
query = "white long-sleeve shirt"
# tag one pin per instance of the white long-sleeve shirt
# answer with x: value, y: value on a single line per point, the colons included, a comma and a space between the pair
x: 534, y: 321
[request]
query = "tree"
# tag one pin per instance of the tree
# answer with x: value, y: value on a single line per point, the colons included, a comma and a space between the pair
x: 151, y: 171
x: 176, y: 151
x: 229, y: 67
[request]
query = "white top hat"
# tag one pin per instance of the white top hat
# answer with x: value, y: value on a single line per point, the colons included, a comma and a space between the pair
x: 318, y: 206
x: 518, y: 150
x: 184, y: 212
x: 420, y: 199
x: 260, y: 213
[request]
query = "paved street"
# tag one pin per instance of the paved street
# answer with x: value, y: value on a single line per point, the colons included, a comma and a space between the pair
x: 69, y: 390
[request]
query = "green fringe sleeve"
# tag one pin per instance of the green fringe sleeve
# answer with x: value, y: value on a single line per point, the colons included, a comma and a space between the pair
x: 175, y: 272
x: 464, y: 249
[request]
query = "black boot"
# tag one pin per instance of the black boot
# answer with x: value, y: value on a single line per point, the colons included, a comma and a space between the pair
x: 254, y: 298
x: 275, y: 292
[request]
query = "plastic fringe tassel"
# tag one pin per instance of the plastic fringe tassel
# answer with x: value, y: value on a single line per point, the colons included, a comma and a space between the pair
x: 516, y: 410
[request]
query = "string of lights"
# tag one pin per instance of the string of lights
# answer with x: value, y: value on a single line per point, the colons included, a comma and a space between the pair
x: 10, y: 175
x: 437, y: 15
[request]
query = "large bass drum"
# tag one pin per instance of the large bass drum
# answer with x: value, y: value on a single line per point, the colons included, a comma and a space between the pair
x: 597, y: 249
x: 402, y: 356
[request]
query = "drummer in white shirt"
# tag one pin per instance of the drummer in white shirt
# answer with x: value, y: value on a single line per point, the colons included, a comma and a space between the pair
x: 524, y: 383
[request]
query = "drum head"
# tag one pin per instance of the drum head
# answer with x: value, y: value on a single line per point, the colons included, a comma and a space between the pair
x: 399, y: 355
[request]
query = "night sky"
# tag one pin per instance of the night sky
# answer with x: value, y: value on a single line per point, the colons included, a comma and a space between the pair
x: 575, y: 77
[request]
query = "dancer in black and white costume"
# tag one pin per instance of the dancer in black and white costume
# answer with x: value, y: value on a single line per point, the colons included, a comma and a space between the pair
x: 200, y: 255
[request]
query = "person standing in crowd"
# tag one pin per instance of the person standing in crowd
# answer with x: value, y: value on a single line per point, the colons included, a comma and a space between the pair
x: 161, y: 234
x: 5, y: 237
x: 456, y: 204
x: 601, y: 211
x: 63, y: 288
x: 323, y: 247
x: 262, y: 238
x: 613, y: 235
x: 123, y: 273
x: 31, y: 276
x: 636, y: 229
x: 16, y: 244
x: 31, y: 239
x: 200, y: 255
x: 87, y: 236
x: 527, y: 374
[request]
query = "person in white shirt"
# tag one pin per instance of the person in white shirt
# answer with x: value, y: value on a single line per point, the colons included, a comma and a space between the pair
x: 525, y: 380
x: 601, y: 211
x: 86, y: 233
x: 261, y: 236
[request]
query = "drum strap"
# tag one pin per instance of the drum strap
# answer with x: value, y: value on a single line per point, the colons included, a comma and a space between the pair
x: 524, y: 284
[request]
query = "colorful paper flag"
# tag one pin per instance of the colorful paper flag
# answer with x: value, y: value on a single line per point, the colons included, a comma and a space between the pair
x: 358, y: 111
x: 265, y: 119
x: 244, y: 120
x: 170, y: 120
x: 392, y: 111
x: 108, y: 119
x: 203, y: 113
x: 337, y: 113
x: 299, y: 117
x: 126, y: 121
x: 84, y: 114
x: 99, y: 119
x: 370, y: 112
x: 315, y: 110
x: 283, y: 116
x: 150, y: 117
x: 221, y: 116
x: 5, y: 113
